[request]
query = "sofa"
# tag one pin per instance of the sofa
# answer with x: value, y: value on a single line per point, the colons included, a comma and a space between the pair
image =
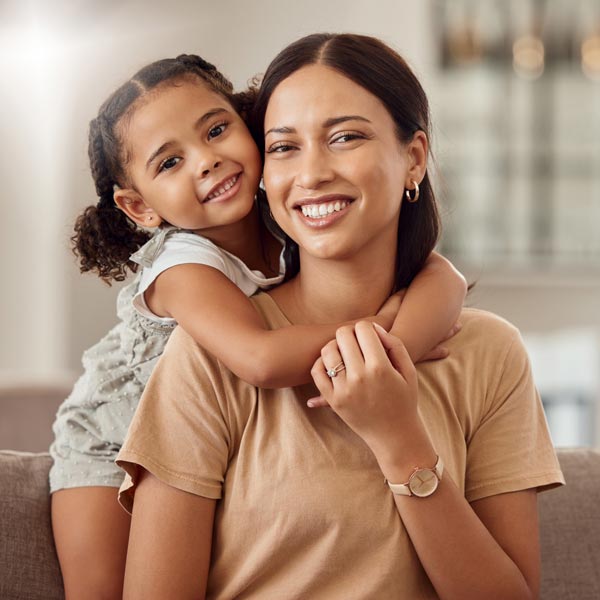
x: 569, y: 529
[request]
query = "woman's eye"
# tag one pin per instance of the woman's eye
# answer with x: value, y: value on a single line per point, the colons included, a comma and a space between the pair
x: 279, y: 147
x: 347, y: 136
x: 217, y: 130
x: 169, y: 163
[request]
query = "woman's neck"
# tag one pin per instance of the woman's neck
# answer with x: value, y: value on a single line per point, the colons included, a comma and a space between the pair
x: 328, y: 291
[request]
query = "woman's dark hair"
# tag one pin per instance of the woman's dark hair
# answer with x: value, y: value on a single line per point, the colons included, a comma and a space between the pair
x: 104, y: 236
x: 376, y: 67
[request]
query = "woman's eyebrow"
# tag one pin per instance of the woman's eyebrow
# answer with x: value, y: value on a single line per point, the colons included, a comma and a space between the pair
x: 327, y: 123
x: 280, y: 130
x: 337, y: 120
x: 205, y: 117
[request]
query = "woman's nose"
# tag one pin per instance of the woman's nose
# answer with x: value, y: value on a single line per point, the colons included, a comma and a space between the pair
x: 314, y: 169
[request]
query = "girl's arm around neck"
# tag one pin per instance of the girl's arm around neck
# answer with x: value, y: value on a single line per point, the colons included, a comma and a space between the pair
x: 219, y: 316
x: 431, y: 306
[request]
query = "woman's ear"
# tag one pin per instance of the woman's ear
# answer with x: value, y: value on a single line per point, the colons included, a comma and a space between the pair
x: 418, y: 149
x: 133, y: 205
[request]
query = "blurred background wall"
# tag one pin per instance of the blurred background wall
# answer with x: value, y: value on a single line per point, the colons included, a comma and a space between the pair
x: 514, y: 87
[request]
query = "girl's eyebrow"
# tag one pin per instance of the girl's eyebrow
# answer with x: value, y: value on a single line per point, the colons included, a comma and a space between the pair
x: 327, y: 123
x: 205, y: 117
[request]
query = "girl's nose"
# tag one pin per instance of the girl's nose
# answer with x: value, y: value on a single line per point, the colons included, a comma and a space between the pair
x: 207, y: 165
x: 314, y: 170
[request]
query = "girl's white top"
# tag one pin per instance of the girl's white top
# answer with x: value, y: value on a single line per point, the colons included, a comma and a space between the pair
x: 171, y: 246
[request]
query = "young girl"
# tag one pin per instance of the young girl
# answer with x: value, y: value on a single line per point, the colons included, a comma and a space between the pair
x: 170, y: 151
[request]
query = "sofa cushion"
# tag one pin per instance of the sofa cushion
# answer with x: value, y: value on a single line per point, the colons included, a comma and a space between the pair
x: 570, y: 530
x: 29, y: 567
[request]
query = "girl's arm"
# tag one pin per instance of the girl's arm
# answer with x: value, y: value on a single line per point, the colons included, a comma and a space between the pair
x: 431, y: 306
x: 219, y: 316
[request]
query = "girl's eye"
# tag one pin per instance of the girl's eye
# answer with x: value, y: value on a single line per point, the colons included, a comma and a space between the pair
x: 279, y: 147
x: 217, y: 130
x: 347, y: 136
x: 169, y: 163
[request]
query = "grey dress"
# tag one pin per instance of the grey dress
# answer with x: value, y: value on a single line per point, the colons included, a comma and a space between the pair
x: 92, y: 422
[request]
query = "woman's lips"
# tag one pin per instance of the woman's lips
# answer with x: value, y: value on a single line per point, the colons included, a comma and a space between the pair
x: 324, y: 210
x: 316, y: 211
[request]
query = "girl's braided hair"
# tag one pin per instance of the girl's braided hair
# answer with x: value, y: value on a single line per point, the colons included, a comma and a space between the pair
x: 104, y: 236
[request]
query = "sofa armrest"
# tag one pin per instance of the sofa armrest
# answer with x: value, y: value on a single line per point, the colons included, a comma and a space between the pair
x: 570, y: 529
x: 29, y: 568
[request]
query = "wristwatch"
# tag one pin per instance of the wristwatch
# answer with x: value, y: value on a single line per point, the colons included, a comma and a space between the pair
x: 421, y: 483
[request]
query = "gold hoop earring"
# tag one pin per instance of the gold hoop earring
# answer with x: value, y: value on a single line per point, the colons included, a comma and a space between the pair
x: 412, y: 199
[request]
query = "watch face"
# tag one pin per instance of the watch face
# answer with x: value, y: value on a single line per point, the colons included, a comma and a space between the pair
x: 423, y: 483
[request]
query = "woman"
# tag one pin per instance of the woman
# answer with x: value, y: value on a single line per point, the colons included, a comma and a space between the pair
x: 244, y: 492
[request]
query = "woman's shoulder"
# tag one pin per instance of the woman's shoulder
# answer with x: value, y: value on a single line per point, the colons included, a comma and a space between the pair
x: 269, y: 310
x: 486, y: 339
x: 477, y: 322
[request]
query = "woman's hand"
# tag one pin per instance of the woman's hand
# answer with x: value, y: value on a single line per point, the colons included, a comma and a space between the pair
x: 376, y: 393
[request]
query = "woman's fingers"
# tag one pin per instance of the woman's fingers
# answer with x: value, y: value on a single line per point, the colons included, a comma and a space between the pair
x: 370, y: 345
x: 323, y: 383
x: 317, y: 402
x: 397, y: 354
x: 349, y: 349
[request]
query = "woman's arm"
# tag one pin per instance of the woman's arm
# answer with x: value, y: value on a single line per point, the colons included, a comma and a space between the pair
x: 486, y: 550
x: 169, y: 543
x: 431, y: 306
x: 218, y: 315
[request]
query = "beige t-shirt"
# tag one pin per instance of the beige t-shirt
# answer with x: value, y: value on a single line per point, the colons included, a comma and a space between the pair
x: 303, y: 509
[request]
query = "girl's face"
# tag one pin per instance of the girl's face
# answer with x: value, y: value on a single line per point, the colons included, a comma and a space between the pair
x: 335, y: 170
x: 192, y: 161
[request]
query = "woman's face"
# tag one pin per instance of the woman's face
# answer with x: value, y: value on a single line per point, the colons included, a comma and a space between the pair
x: 335, y: 170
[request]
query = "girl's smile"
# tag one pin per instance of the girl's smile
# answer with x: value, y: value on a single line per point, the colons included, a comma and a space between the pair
x: 225, y: 190
x: 192, y: 164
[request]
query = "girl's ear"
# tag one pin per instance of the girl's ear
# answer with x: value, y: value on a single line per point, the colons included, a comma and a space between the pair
x: 418, y: 148
x: 133, y: 205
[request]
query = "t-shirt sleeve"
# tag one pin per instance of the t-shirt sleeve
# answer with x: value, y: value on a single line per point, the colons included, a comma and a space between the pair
x: 511, y: 448
x: 180, y: 432
x: 180, y: 249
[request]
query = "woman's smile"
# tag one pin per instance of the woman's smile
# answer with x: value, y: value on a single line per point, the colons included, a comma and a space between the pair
x: 325, y: 210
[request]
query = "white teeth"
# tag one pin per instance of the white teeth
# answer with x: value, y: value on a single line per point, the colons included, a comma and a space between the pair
x: 222, y: 189
x: 314, y: 211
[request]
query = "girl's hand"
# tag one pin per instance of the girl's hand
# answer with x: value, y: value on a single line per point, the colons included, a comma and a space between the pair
x: 387, y: 314
x: 440, y: 351
x: 376, y: 393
